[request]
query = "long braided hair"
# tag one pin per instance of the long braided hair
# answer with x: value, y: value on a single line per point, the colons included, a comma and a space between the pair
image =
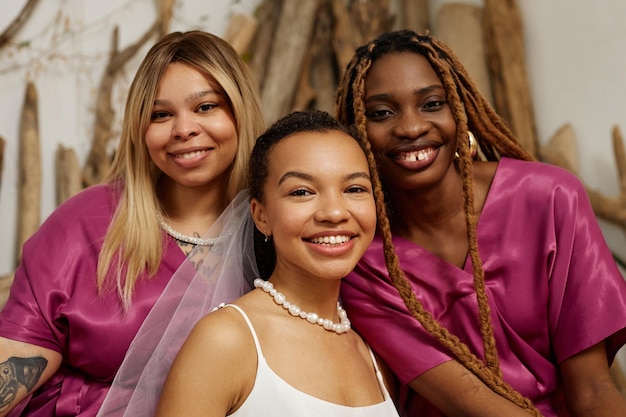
x: 471, y: 111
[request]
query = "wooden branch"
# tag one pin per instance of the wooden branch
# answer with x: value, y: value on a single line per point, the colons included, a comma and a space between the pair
x: 166, y: 8
x: 29, y: 171
x: 98, y: 160
x: 371, y: 17
x: 561, y: 151
x: 268, y: 12
x: 356, y: 24
x: 323, y: 72
x: 240, y: 32
x: 620, y: 159
x: 505, y: 49
x: 346, y: 38
x: 5, y: 286
x: 461, y: 27
x: 291, y: 40
x: 414, y: 15
x: 613, y: 209
x: 68, y: 178
x: 18, y: 22
x: 304, y: 93
x: 2, y: 145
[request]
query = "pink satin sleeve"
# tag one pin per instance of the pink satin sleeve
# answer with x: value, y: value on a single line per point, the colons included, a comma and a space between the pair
x: 53, y: 303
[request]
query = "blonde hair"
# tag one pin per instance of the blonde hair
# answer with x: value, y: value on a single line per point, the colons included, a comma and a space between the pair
x: 134, y: 243
x: 471, y: 111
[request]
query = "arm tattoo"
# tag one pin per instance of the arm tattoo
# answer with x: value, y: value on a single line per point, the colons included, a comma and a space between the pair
x: 16, y: 373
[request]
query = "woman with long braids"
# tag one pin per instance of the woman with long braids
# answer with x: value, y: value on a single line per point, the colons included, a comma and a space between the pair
x: 489, y: 289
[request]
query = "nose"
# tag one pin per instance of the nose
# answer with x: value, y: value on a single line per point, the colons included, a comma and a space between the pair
x: 332, y: 208
x: 411, y: 124
x: 185, y: 127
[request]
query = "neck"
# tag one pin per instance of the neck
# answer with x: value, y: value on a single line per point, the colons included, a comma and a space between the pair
x: 197, y: 206
x: 425, y: 209
x: 309, y: 293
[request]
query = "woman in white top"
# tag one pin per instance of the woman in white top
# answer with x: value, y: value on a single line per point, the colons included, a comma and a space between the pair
x: 286, y: 348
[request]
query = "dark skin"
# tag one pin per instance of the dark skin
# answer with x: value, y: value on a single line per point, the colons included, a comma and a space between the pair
x: 413, y: 136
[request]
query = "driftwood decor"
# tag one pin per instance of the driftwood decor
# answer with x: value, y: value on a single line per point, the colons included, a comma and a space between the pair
x: 2, y: 145
x: 67, y: 174
x: 287, y: 55
x: 613, y: 209
x: 562, y: 151
x: 414, y: 15
x: 29, y: 176
x: 240, y: 32
x: 5, y: 286
x: 504, y: 39
x: 18, y: 22
x: 99, y: 160
x: 461, y: 27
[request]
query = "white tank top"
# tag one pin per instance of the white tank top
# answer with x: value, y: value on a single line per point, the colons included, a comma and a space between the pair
x: 273, y: 396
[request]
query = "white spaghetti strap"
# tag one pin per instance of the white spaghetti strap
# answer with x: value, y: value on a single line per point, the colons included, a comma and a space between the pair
x: 254, y: 336
x: 379, y: 375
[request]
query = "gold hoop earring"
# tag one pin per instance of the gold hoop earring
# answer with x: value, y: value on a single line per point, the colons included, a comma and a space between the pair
x: 473, y: 146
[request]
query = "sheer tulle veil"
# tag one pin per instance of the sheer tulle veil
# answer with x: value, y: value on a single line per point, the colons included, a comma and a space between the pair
x: 206, y: 279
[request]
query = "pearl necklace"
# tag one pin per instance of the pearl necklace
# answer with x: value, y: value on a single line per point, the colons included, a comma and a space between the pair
x: 185, y: 238
x: 296, y: 311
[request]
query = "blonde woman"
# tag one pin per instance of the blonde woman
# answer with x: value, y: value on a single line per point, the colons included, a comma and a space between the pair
x: 92, y: 273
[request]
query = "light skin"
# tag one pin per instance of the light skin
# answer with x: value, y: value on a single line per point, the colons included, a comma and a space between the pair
x: 318, y: 186
x: 412, y: 132
x: 192, y: 139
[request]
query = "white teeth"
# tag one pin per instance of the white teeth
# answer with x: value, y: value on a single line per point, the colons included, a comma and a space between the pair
x: 189, y: 155
x: 416, y: 156
x: 331, y: 240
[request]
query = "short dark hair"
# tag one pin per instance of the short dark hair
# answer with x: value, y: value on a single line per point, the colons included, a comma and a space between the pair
x: 298, y: 121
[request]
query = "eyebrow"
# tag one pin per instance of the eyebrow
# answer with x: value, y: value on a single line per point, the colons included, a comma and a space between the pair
x: 424, y: 90
x: 308, y: 177
x: 193, y: 96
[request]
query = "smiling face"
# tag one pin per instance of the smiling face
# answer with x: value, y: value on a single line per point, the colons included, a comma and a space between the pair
x: 192, y: 137
x: 318, y: 204
x: 409, y: 123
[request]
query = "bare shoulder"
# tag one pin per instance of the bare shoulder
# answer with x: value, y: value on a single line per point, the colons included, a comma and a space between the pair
x: 224, y: 330
x: 214, y: 370
x: 484, y: 171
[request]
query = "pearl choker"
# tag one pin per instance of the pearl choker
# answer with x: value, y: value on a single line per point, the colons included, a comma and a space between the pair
x: 185, y: 238
x: 295, y: 311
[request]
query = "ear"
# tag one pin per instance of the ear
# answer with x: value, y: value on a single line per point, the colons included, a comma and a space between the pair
x: 259, y: 216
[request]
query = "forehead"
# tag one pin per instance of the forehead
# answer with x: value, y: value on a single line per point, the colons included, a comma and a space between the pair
x: 178, y: 75
x: 400, y: 70
x: 321, y: 152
